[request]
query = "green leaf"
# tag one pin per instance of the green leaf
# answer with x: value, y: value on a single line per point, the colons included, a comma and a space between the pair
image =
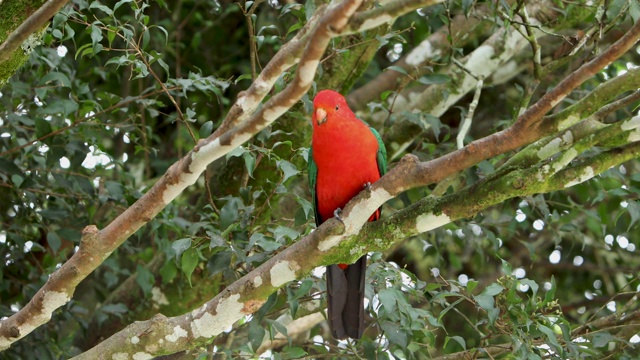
x: 98, y: 5
x: 293, y: 28
x: 54, y: 241
x: 550, y: 295
x: 168, y: 272
x: 56, y: 214
x: 62, y: 106
x: 206, y: 129
x: 507, y: 269
x: 256, y: 334
x: 466, y: 6
x: 55, y: 78
x: 434, y: 79
x: 218, y: 262
x: 115, y: 189
x: 266, y: 243
x: 471, y: 285
x: 602, y: 339
x: 146, y: 36
x: 293, y: 352
x: 279, y: 327
x: 58, y: 19
x: 486, y: 167
x: 282, y: 231
x: 634, y: 10
x: 249, y: 162
x: 166, y: 37
x: 229, y: 213
x: 532, y: 284
x: 287, y: 168
x: 96, y: 36
x: 119, y: 3
x: 395, y: 333
x: 307, y: 207
x: 116, y: 309
x: 388, y: 299
x: 242, y: 77
x: 83, y: 50
x: 264, y: 309
x: 180, y: 246
x: 84, y: 184
x: 551, y: 337
x: 634, y: 211
x: 432, y: 286
x: 17, y: 180
x: 189, y: 262
x: 9, y: 168
x: 398, y: 69
x: 485, y: 298
x: 457, y: 339
x: 434, y: 123
x: 43, y: 127
x: 216, y: 240
x: 304, y: 288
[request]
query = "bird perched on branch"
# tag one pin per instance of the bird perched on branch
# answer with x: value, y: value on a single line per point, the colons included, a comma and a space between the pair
x: 346, y: 156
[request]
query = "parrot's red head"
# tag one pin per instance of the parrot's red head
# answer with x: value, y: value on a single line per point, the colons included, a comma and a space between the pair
x: 329, y: 105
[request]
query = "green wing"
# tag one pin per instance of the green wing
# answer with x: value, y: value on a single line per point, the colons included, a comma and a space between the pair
x: 381, y: 156
x: 313, y: 177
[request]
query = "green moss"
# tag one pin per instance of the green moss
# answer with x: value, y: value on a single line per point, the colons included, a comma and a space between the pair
x: 9, y: 67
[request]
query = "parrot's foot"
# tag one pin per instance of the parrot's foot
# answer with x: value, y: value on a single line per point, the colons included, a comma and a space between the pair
x: 367, y: 186
x: 336, y: 214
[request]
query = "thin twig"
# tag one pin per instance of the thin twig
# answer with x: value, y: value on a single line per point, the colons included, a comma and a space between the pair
x: 466, y: 123
x: 253, y: 47
x: 533, y: 41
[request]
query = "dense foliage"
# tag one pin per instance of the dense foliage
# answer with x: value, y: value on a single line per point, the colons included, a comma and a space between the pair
x: 119, y: 91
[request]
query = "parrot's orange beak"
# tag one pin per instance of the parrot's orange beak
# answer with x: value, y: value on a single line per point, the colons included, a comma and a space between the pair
x: 321, y: 116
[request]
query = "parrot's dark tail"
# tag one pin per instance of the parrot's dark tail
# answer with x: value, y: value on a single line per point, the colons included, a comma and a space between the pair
x: 345, y: 299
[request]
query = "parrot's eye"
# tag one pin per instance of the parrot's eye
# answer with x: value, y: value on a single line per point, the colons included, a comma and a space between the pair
x: 337, y: 107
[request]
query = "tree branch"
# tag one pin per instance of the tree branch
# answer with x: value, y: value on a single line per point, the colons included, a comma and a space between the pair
x: 36, y: 21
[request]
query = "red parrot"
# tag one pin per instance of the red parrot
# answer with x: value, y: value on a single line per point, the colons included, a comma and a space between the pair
x: 346, y: 156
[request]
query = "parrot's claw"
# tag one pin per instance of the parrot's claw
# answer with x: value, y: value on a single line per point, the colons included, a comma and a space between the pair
x: 367, y: 186
x: 336, y: 214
